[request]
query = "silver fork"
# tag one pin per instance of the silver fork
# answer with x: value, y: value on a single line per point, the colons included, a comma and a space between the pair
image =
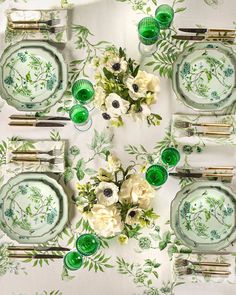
x: 52, y: 161
x: 185, y: 124
x: 191, y: 132
x: 55, y: 152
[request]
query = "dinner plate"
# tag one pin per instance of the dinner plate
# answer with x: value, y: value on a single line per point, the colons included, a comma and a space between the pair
x: 203, y: 216
x: 33, y: 75
x: 33, y: 208
x: 204, y: 76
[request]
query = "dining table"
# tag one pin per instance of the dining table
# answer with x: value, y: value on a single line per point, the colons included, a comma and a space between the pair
x: 144, y: 264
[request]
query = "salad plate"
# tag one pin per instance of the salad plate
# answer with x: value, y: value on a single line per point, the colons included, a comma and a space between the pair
x: 33, y: 208
x: 33, y: 75
x: 203, y: 216
x: 204, y: 76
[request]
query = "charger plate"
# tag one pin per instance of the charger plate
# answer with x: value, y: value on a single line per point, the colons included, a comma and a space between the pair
x: 33, y: 75
x: 33, y: 208
x: 204, y: 76
x: 203, y: 216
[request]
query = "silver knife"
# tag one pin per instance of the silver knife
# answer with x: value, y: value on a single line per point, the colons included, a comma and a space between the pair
x: 200, y: 38
x: 199, y: 175
x: 203, y: 30
x: 35, y: 124
x: 43, y: 118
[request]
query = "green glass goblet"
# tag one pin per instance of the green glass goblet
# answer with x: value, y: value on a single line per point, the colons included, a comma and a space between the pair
x: 170, y: 157
x: 164, y: 15
x: 87, y: 244
x: 79, y: 114
x: 83, y: 91
x: 73, y: 260
x: 156, y: 175
x: 148, y: 30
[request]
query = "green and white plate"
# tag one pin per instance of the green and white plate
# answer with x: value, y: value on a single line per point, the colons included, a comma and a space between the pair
x: 203, y: 216
x: 33, y: 75
x: 204, y: 76
x: 33, y: 208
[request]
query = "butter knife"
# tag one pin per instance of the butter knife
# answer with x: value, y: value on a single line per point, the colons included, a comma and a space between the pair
x: 204, y: 30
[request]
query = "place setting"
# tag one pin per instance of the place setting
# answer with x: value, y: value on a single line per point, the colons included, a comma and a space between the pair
x: 151, y: 196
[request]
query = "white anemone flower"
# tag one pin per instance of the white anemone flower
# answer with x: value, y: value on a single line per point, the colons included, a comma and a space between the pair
x: 116, y: 65
x: 142, y: 113
x: 107, y: 193
x: 115, y: 105
x: 133, y: 216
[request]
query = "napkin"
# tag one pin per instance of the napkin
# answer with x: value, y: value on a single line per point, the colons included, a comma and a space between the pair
x: 209, y: 257
x: 37, y: 15
x: 45, y: 145
x: 181, y: 138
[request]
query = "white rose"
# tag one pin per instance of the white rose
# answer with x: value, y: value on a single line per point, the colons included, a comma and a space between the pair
x: 116, y: 105
x: 99, y: 98
x: 107, y: 193
x: 105, y: 221
x: 153, y: 84
x: 113, y: 163
x: 136, y: 190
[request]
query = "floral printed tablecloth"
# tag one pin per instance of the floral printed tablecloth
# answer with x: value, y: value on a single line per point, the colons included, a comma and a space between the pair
x: 143, y: 265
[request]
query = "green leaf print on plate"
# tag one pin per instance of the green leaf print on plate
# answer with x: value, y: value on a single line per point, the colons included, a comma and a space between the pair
x: 204, y: 76
x: 203, y: 216
x: 33, y: 75
x: 33, y: 208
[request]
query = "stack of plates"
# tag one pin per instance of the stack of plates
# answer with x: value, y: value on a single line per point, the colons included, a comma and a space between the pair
x: 203, y: 216
x: 33, y: 75
x: 33, y: 208
x: 204, y: 76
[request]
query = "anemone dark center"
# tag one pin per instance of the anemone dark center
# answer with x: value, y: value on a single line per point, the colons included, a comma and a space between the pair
x: 106, y: 116
x: 116, y: 104
x: 108, y: 192
x: 132, y: 213
x: 135, y: 87
x: 116, y: 66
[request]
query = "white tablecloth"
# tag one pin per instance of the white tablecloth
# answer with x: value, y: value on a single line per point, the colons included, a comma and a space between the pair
x: 116, y: 22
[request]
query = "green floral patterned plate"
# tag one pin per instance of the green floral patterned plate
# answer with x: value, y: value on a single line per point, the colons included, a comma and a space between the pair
x: 34, y: 208
x: 203, y: 216
x: 204, y: 76
x: 33, y: 75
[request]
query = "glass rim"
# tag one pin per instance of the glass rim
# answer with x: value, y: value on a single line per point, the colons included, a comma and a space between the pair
x: 166, y: 6
x: 64, y: 259
x: 170, y: 147
x: 85, y: 234
x: 74, y: 107
x: 166, y: 174
x: 154, y: 21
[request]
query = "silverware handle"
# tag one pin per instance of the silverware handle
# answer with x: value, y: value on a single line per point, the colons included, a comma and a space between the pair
x: 28, y: 152
x: 30, y: 159
x: 216, y: 133
x: 222, y: 30
x: 212, y: 124
x: 213, y: 272
x: 220, y: 168
x: 218, y: 174
x: 35, y: 256
x: 21, y: 123
x: 29, y: 248
x: 223, y: 264
x: 25, y: 26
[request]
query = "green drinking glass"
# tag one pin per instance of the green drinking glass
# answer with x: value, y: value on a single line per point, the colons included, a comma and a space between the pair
x: 73, y: 260
x: 170, y: 156
x: 156, y: 175
x: 83, y: 91
x: 87, y: 244
x: 79, y: 114
x: 164, y: 15
x: 148, y: 29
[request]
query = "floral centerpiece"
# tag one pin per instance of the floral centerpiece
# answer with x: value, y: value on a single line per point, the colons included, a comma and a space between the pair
x: 116, y: 201
x: 122, y: 88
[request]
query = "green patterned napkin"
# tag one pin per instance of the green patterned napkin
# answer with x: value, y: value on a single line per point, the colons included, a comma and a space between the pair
x: 198, y: 278
x: 36, y: 15
x: 31, y: 145
x: 182, y: 139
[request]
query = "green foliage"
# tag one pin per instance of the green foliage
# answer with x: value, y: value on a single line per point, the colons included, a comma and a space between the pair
x: 55, y: 135
x: 83, y: 43
x: 97, y: 262
x: 3, y: 152
x: 168, y: 51
x: 53, y: 292
x: 140, y: 153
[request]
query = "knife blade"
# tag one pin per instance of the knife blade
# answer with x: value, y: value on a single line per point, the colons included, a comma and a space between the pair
x: 203, y: 30
x: 43, y: 118
x: 39, y: 248
x: 200, y: 38
x: 185, y: 37
x: 35, y: 124
x: 200, y: 175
